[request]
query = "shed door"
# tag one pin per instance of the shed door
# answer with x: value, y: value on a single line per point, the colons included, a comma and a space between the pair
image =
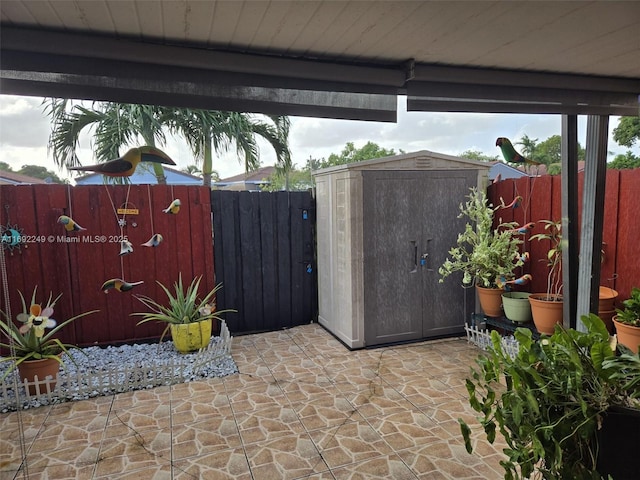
x: 406, y: 215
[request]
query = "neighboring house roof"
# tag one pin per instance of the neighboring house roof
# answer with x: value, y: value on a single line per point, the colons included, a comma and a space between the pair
x: 144, y: 175
x: 13, y: 178
x: 246, y: 181
x: 505, y: 171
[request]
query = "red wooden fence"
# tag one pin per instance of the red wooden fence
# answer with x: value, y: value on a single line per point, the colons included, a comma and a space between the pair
x: 76, y: 264
x: 621, y: 232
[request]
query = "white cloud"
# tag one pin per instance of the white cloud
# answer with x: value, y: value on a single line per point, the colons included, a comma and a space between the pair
x: 24, y: 131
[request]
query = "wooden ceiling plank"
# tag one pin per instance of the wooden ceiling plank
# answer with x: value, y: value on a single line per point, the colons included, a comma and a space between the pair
x: 125, y: 18
x: 226, y: 16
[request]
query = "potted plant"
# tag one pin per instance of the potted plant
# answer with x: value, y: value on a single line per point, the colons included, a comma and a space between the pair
x: 627, y: 321
x: 188, y: 317
x: 550, y: 400
x: 486, y: 256
x: 546, y: 308
x: 34, y: 352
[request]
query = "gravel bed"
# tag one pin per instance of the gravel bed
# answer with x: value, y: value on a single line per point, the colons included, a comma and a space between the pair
x: 105, y: 359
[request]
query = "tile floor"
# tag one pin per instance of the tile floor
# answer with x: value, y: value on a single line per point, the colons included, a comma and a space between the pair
x: 303, y: 406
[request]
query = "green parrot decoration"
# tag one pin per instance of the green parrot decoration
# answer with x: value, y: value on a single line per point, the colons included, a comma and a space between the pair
x: 510, y: 155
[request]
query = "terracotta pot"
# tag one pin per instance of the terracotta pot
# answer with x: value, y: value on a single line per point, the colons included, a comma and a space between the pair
x: 606, y: 316
x: 607, y: 299
x: 43, y: 369
x: 189, y: 337
x: 490, y: 300
x: 546, y: 313
x: 516, y: 306
x: 628, y: 335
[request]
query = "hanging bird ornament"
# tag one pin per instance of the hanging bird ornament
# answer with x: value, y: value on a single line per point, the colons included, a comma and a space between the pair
x: 515, y: 203
x: 126, y: 165
x: 118, y: 284
x: 173, y: 208
x: 69, y: 224
x: 154, y: 241
x: 125, y: 247
x: 510, y: 155
x: 526, y: 228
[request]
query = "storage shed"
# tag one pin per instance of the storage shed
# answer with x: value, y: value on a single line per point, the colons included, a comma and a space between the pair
x: 384, y: 227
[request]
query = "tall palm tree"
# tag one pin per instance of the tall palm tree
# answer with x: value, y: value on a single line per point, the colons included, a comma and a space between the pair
x: 208, y: 131
x: 529, y: 145
x: 115, y: 124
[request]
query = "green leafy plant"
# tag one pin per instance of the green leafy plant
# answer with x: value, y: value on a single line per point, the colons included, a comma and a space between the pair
x: 484, y: 255
x: 550, y: 399
x: 552, y: 234
x: 630, y: 315
x: 29, y: 341
x: 184, y: 306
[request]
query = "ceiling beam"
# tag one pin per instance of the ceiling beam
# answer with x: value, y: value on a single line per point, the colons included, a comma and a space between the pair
x: 184, y: 94
x: 353, y: 76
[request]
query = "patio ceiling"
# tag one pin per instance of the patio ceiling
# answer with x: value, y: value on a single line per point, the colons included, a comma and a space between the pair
x: 342, y: 59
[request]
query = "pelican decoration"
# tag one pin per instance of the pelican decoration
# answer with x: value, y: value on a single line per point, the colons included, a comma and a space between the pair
x: 154, y: 241
x: 174, y: 207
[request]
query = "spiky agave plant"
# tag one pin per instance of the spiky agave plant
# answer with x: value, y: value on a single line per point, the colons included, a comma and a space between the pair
x: 184, y: 306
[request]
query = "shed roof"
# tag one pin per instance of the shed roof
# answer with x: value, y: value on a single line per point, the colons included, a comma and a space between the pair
x: 420, y: 160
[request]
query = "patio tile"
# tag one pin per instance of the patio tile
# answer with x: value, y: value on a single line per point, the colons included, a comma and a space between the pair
x: 257, y: 396
x: 289, y: 457
x: 199, y: 408
x: 202, y: 438
x: 150, y: 415
x: 153, y: 443
x: 77, y: 454
x: 425, y: 391
x: 115, y: 467
x: 380, y: 401
x: 268, y: 423
x: 384, y: 467
x: 349, y: 443
x: 59, y: 472
x: 405, y: 429
x: 325, y: 411
x: 381, y: 413
x: 307, y: 387
x: 158, y: 472
x: 228, y: 464
x: 56, y: 433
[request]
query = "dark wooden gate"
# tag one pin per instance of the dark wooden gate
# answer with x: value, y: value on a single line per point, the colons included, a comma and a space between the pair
x: 264, y: 255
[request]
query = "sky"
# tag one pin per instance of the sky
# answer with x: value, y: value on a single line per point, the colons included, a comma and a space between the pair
x: 24, y: 131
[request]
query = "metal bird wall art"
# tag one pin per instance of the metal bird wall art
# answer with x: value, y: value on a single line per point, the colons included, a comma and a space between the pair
x: 69, y: 224
x: 173, y: 208
x: 125, y: 165
x: 119, y: 285
x: 510, y: 155
x: 154, y: 241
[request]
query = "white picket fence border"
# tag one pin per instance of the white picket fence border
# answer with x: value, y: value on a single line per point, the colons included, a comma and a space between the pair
x: 482, y: 339
x: 116, y: 380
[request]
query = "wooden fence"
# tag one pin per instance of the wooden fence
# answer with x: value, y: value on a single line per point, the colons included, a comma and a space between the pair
x: 621, y: 231
x: 76, y: 264
x: 265, y: 258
